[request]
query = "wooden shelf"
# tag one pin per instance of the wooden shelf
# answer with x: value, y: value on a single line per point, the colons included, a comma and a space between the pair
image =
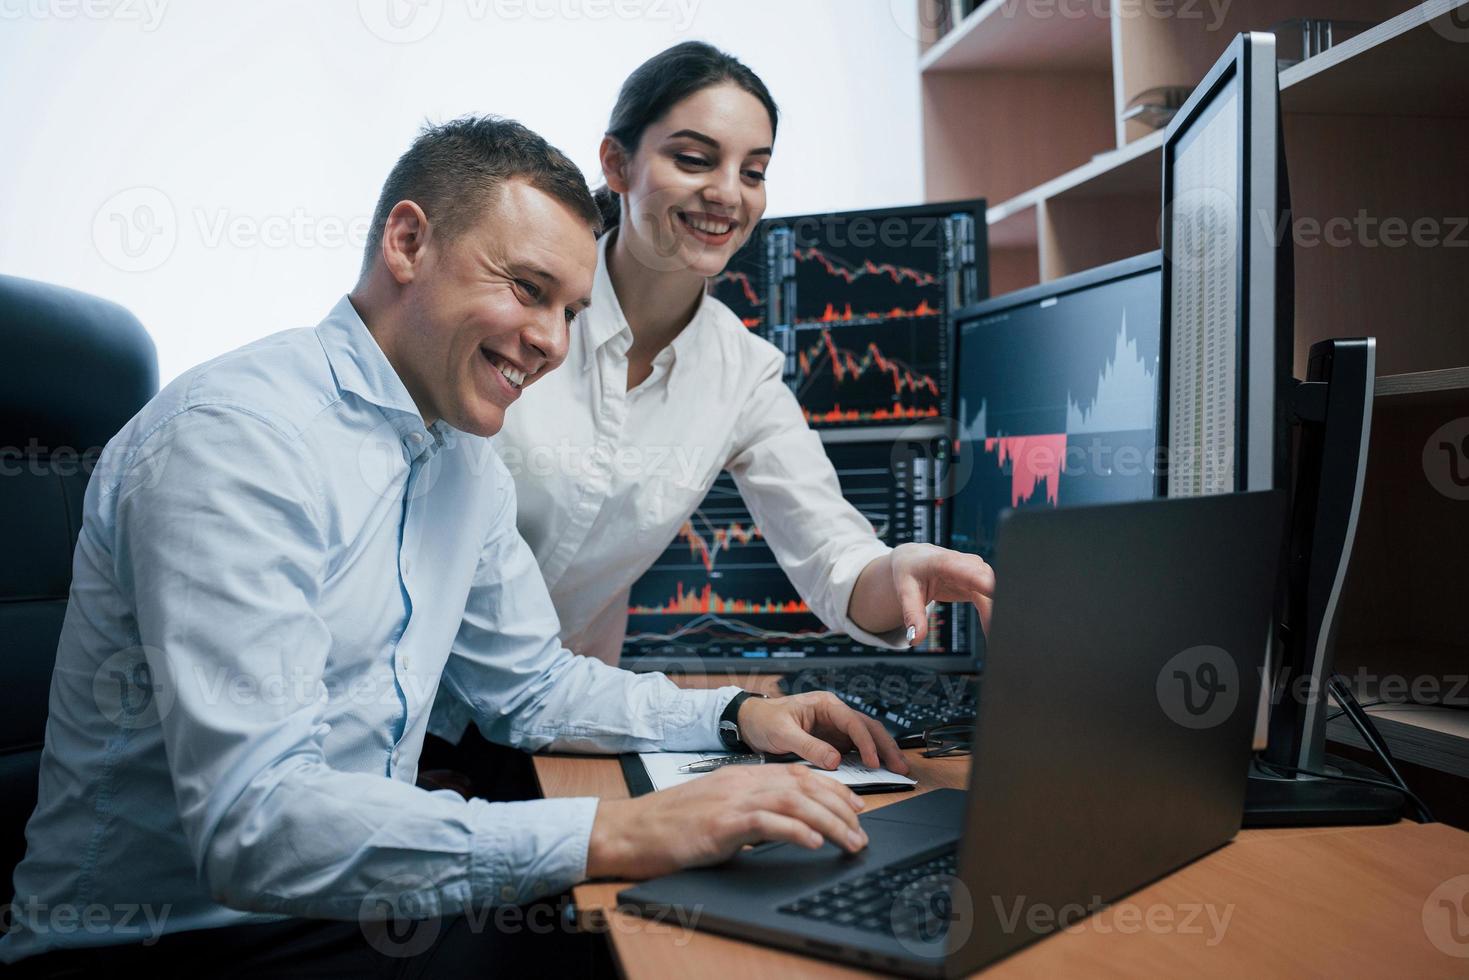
x: 1437, y: 738
x: 1004, y: 35
x: 1136, y: 168
x: 1330, y: 82
x: 1407, y: 66
x: 1444, y: 381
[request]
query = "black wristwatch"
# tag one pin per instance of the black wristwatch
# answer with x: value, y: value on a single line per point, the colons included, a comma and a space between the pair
x: 729, y: 729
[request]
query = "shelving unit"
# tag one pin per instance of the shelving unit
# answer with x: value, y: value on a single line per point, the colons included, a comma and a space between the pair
x: 1037, y: 129
x: 1022, y: 104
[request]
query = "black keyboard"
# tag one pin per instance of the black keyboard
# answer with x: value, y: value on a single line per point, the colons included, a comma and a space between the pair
x: 889, y: 900
x: 904, y: 699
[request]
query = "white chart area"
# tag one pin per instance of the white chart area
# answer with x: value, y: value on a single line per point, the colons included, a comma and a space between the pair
x: 1124, y: 399
x: 1205, y: 234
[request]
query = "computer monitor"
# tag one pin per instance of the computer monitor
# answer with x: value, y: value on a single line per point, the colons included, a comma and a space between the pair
x: 1230, y: 408
x: 1057, y: 399
x: 717, y: 599
x: 1227, y: 307
x: 862, y: 305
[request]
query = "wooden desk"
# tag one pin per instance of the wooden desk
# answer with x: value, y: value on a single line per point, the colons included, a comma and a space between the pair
x: 1307, y: 902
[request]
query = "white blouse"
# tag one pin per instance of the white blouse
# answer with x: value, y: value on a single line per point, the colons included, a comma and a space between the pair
x: 606, y: 477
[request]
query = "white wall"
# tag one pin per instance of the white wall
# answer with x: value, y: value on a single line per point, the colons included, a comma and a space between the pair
x: 211, y: 164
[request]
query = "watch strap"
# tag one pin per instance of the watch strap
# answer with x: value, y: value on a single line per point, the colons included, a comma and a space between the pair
x: 729, y: 728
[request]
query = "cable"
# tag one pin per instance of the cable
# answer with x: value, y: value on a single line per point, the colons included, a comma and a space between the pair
x: 1423, y: 811
x: 1369, y: 731
x: 1348, y: 702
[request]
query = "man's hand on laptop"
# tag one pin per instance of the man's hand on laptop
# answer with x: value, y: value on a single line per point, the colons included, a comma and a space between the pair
x: 708, y: 819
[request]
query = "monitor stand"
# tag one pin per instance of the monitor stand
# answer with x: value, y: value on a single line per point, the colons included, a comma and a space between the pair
x: 1304, y: 801
x: 1332, y: 412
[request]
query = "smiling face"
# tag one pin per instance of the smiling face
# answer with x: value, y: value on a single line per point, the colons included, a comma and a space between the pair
x: 694, y: 188
x: 488, y: 312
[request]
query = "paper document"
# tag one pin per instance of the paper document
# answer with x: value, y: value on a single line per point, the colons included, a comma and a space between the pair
x: 663, y: 771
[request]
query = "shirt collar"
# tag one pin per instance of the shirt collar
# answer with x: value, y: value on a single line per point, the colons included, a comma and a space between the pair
x: 608, y: 321
x: 603, y: 320
x: 359, y: 363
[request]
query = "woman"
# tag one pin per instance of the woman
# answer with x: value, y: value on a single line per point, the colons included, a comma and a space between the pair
x: 664, y: 387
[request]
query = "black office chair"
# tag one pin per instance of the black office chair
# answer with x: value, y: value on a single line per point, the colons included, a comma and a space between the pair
x: 74, y: 369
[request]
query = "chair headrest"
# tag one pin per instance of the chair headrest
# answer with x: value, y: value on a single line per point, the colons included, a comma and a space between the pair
x: 75, y: 368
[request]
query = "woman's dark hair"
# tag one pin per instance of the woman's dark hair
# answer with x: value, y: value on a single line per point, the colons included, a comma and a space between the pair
x: 662, y: 82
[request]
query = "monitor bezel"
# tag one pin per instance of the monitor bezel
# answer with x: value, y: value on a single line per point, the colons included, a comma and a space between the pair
x: 1259, y: 443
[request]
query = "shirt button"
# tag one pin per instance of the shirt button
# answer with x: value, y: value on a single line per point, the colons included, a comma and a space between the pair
x: 507, y: 893
x: 416, y: 438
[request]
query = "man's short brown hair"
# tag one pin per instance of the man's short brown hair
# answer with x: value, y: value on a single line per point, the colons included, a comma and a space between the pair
x: 454, y: 170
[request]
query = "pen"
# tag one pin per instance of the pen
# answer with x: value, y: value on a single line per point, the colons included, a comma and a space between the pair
x: 751, y: 759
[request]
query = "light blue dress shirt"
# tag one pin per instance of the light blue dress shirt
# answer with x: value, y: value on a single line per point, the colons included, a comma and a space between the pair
x: 278, y: 565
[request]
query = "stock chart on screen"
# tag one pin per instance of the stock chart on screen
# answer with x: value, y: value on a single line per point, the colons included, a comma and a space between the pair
x: 1057, y: 398
x: 743, y: 286
x: 717, y: 590
x: 863, y: 308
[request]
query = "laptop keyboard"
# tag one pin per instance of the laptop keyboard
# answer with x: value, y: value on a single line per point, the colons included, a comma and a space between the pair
x: 875, y: 902
x: 904, y: 699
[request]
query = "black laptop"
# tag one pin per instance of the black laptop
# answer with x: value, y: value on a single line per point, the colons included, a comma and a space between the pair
x: 1114, y: 735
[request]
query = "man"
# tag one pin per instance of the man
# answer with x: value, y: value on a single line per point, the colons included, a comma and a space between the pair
x: 285, y: 553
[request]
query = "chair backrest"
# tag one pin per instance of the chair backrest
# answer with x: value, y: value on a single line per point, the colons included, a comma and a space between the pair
x: 75, y: 368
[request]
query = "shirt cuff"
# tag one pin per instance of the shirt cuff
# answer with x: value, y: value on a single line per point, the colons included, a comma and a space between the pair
x: 844, y: 577
x: 698, y: 717
x: 528, y: 850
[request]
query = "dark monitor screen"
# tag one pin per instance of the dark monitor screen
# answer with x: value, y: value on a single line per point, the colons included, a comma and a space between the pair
x: 1057, y: 398
x: 717, y: 592
x: 863, y: 304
